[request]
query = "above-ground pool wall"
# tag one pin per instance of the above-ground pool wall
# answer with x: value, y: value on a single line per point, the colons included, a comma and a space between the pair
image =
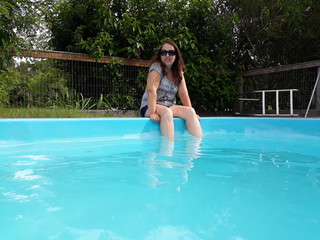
x: 38, y: 129
x: 257, y: 125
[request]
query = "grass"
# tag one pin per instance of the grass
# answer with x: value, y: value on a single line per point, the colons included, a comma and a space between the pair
x: 49, y: 113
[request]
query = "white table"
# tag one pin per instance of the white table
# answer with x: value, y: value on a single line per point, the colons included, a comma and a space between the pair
x: 263, y: 92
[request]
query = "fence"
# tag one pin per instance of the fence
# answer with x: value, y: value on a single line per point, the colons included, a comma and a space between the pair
x: 302, y: 77
x: 61, y: 79
x: 51, y: 78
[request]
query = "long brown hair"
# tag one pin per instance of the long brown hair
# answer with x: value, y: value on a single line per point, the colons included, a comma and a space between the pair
x: 178, y: 66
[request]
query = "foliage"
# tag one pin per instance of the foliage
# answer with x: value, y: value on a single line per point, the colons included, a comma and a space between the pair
x: 231, y: 33
x: 22, y: 25
x: 270, y: 33
x: 213, y: 36
x: 36, y: 84
x: 135, y: 28
x: 45, y: 84
x: 8, y: 84
x: 84, y: 103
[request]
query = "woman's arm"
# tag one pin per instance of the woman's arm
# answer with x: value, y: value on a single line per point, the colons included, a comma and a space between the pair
x: 183, y: 93
x: 152, y: 86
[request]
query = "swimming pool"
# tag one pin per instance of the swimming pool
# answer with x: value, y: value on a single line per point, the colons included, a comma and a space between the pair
x: 117, y: 178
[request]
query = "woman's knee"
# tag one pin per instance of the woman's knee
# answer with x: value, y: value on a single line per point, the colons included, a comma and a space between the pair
x: 190, y: 112
x: 167, y: 114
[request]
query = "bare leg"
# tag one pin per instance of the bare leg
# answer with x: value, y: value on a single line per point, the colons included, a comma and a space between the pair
x: 166, y: 120
x: 190, y: 116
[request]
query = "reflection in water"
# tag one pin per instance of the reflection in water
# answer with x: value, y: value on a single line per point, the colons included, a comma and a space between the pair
x: 172, y: 161
x: 159, y: 233
x: 171, y: 232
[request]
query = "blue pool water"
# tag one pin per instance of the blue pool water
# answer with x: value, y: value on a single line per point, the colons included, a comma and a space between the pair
x: 118, y: 179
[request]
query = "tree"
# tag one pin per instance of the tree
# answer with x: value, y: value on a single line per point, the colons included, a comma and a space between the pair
x: 21, y: 21
x: 135, y: 29
x: 270, y: 33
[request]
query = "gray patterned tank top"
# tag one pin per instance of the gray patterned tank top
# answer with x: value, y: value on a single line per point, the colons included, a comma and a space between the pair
x: 166, y: 92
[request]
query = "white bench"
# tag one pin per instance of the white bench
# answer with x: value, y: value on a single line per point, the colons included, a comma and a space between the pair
x: 263, y: 92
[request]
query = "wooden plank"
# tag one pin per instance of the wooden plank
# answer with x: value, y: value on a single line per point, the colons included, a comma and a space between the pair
x: 285, y: 68
x: 78, y: 57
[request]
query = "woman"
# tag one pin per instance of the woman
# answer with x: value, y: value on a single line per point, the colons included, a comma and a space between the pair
x: 165, y: 80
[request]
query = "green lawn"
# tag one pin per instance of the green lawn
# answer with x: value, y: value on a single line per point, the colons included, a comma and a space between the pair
x: 49, y: 113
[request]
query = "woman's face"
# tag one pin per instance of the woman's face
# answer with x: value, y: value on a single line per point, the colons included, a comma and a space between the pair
x: 168, y: 55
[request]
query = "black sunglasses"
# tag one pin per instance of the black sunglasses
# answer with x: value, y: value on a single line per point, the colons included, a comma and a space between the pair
x: 165, y: 52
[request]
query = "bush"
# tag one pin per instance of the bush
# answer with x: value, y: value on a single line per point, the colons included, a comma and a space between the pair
x: 33, y: 85
x: 13, y: 87
x: 135, y: 29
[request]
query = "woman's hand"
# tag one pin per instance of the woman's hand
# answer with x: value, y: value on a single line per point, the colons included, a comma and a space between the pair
x: 155, y: 117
